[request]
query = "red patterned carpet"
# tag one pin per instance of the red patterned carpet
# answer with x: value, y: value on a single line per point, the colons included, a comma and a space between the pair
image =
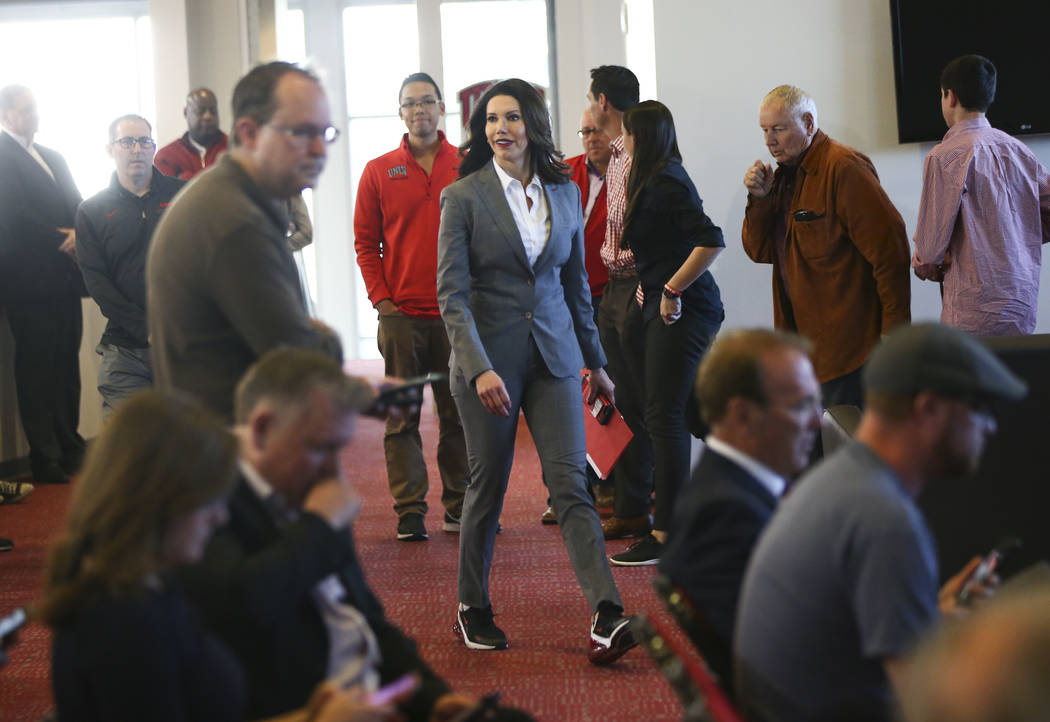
x: 535, y: 596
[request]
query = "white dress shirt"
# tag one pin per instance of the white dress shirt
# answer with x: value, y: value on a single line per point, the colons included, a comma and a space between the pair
x: 534, y: 224
x: 33, y: 152
x: 773, y: 481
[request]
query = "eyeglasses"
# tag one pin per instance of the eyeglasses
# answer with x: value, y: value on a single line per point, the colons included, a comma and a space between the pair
x: 145, y: 142
x: 425, y: 104
x: 308, y: 133
x: 584, y: 132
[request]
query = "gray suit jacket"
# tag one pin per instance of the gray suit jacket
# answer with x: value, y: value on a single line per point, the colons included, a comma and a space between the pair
x: 491, y: 299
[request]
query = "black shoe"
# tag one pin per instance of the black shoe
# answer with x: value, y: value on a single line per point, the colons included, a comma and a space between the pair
x: 477, y: 630
x: 643, y: 553
x: 12, y: 492
x: 451, y: 523
x: 49, y: 473
x: 6, y: 545
x: 549, y: 517
x: 71, y: 461
x: 611, y: 635
x: 410, y: 527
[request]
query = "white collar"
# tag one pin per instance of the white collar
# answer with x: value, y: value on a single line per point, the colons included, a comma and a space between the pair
x: 256, y: 482
x: 505, y: 178
x: 771, y: 480
x: 24, y: 142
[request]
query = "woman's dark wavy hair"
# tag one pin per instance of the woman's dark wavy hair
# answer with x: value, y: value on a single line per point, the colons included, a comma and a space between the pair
x: 655, y: 143
x: 544, y: 158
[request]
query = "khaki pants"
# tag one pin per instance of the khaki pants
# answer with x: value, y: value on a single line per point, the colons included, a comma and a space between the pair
x: 412, y: 347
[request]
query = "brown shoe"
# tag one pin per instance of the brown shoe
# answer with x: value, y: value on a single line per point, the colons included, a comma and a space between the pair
x: 548, y: 516
x: 622, y: 527
x: 604, y: 500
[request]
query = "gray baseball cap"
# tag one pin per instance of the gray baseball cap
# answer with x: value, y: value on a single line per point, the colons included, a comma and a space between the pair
x: 934, y: 357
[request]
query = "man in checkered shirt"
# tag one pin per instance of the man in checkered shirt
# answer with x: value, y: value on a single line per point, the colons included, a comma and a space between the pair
x: 613, y: 90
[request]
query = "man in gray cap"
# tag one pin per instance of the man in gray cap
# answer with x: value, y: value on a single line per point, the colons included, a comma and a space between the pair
x: 844, y: 580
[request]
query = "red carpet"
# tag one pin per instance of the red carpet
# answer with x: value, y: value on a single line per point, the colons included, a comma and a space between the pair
x: 534, y: 593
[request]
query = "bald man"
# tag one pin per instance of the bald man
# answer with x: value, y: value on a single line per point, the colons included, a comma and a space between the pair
x: 201, y: 144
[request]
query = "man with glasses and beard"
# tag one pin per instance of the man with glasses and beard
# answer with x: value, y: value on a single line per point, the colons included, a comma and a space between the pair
x: 114, y: 228
x: 222, y: 286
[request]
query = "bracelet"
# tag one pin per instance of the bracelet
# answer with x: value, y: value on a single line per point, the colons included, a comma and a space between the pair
x: 671, y: 293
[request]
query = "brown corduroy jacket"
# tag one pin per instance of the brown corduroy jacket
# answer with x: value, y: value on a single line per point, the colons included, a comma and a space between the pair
x: 845, y: 261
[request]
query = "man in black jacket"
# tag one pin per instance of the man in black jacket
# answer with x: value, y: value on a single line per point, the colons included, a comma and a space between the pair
x: 758, y: 392
x: 281, y: 584
x: 113, y: 234
x: 40, y: 287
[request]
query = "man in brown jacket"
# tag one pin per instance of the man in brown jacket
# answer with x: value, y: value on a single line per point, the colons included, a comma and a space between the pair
x: 837, y: 244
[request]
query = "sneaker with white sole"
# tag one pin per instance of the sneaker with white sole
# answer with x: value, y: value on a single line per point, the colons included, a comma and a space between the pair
x: 477, y: 630
x: 643, y: 553
x: 611, y: 635
x: 410, y: 527
x: 451, y: 523
x: 12, y: 492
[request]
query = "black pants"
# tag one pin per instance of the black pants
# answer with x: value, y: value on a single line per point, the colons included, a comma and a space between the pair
x: 672, y: 355
x: 623, y: 339
x: 47, y: 376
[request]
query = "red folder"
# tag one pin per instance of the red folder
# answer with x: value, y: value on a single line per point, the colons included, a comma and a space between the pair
x: 605, y: 442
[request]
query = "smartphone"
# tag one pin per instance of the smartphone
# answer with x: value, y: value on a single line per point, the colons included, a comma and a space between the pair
x: 986, y: 568
x: 602, y: 410
x: 396, y: 689
x: 11, y: 624
x: 407, y: 393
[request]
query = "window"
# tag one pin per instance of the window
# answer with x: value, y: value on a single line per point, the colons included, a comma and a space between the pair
x: 474, y: 49
x: 105, y: 70
x: 376, y: 44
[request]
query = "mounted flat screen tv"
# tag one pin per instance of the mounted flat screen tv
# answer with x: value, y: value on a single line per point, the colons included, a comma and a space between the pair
x: 1013, y: 34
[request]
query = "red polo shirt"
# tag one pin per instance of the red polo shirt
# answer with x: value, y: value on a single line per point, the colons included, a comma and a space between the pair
x: 396, y: 221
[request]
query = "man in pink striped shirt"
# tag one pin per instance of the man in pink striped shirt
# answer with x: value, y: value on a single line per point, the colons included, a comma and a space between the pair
x: 984, y: 212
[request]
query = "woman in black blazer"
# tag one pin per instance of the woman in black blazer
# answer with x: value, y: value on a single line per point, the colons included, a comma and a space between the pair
x: 674, y: 244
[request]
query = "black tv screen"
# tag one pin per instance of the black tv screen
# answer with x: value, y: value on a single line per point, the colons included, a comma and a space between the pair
x: 1013, y: 34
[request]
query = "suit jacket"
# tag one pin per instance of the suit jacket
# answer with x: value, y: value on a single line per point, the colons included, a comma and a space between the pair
x: 254, y: 587
x: 492, y: 299
x: 33, y: 207
x: 718, y: 518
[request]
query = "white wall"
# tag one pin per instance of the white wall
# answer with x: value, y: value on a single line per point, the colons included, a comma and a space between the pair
x: 716, y: 60
x: 587, y: 35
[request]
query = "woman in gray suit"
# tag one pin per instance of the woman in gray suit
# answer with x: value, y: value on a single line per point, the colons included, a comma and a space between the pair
x: 514, y: 297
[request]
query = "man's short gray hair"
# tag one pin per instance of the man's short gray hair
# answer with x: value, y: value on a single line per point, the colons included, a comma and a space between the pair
x: 797, y: 101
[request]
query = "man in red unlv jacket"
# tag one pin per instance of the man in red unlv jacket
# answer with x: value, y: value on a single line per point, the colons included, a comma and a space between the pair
x: 396, y: 222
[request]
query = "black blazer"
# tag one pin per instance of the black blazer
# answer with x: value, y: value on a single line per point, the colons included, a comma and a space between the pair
x: 664, y: 227
x: 32, y: 207
x: 718, y: 518
x: 253, y: 588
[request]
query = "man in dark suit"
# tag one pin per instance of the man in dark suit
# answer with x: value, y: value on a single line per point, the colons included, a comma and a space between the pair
x: 40, y: 287
x: 281, y: 584
x: 758, y: 392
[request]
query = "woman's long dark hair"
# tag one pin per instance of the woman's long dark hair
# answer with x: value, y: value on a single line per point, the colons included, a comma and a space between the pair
x: 655, y: 144
x: 544, y: 157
